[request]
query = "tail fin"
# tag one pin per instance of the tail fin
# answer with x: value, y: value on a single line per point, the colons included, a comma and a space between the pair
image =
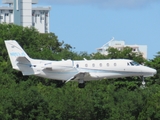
x: 16, y: 53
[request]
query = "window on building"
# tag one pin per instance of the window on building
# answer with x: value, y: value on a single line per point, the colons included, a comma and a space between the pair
x: 119, y: 48
x: 42, y: 12
x: 42, y: 18
x: 133, y: 49
x: 10, y: 11
x: 99, y: 50
x: 1, y: 17
x: 6, y: 14
x: 10, y: 4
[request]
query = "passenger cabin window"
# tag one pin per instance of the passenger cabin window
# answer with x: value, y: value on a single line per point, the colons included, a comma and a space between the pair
x: 77, y: 65
x: 100, y: 64
x: 93, y: 65
x: 108, y: 64
x: 115, y: 64
x: 86, y: 65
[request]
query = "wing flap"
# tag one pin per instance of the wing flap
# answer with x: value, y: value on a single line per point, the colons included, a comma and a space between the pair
x: 78, y: 76
x: 30, y: 73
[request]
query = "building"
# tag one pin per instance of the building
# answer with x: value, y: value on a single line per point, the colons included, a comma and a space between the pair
x: 22, y: 12
x: 120, y: 45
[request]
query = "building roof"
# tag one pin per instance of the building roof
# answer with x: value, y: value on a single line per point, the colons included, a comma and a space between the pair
x: 6, y: 8
x: 11, y: 1
x: 41, y: 8
x: 33, y: 8
x: 121, y: 44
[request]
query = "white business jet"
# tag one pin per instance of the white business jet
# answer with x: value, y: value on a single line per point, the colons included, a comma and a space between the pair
x: 78, y: 70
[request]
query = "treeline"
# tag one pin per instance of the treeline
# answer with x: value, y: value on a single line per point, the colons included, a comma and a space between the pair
x: 35, y: 98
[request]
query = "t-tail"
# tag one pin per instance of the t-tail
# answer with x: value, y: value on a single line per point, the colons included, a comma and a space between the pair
x: 18, y: 57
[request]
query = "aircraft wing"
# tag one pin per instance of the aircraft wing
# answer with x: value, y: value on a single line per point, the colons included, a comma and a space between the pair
x: 78, y: 76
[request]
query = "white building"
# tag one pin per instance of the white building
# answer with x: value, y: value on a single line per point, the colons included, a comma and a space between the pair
x: 120, y: 45
x: 21, y: 12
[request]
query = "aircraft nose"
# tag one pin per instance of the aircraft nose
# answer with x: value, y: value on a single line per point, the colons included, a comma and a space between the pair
x: 154, y: 71
x: 147, y: 71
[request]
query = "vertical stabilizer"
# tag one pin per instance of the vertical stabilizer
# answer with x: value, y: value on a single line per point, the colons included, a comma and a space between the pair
x: 15, y: 52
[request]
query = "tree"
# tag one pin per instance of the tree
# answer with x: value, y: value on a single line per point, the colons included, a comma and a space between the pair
x: 155, y: 63
x: 30, y: 97
x: 125, y: 53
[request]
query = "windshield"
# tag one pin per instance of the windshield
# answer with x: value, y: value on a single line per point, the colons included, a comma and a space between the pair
x: 133, y: 63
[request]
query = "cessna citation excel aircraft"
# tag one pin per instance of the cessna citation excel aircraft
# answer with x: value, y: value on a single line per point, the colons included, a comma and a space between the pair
x: 78, y: 70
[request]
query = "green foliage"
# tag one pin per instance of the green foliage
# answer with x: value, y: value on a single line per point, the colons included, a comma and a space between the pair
x: 155, y: 63
x: 35, y: 98
x: 125, y: 53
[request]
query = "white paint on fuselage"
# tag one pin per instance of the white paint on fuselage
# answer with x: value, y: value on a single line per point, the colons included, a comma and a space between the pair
x: 113, y: 68
x: 97, y: 69
x: 80, y: 70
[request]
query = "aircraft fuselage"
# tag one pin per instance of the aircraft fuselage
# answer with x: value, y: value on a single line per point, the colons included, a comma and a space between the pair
x: 96, y: 69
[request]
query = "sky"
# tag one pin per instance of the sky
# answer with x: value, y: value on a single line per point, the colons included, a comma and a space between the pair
x: 88, y: 24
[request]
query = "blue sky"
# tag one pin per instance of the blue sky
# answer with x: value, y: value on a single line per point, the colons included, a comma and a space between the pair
x: 88, y: 24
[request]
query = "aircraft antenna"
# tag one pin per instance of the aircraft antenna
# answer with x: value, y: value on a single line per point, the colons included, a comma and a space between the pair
x: 107, y: 44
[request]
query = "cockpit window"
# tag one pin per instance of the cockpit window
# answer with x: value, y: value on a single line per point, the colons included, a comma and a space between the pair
x: 133, y: 63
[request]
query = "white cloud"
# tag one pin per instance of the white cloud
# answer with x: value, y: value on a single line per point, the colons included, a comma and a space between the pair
x: 105, y: 3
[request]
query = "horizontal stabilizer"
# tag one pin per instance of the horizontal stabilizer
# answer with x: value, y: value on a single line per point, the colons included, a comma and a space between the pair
x: 22, y: 60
